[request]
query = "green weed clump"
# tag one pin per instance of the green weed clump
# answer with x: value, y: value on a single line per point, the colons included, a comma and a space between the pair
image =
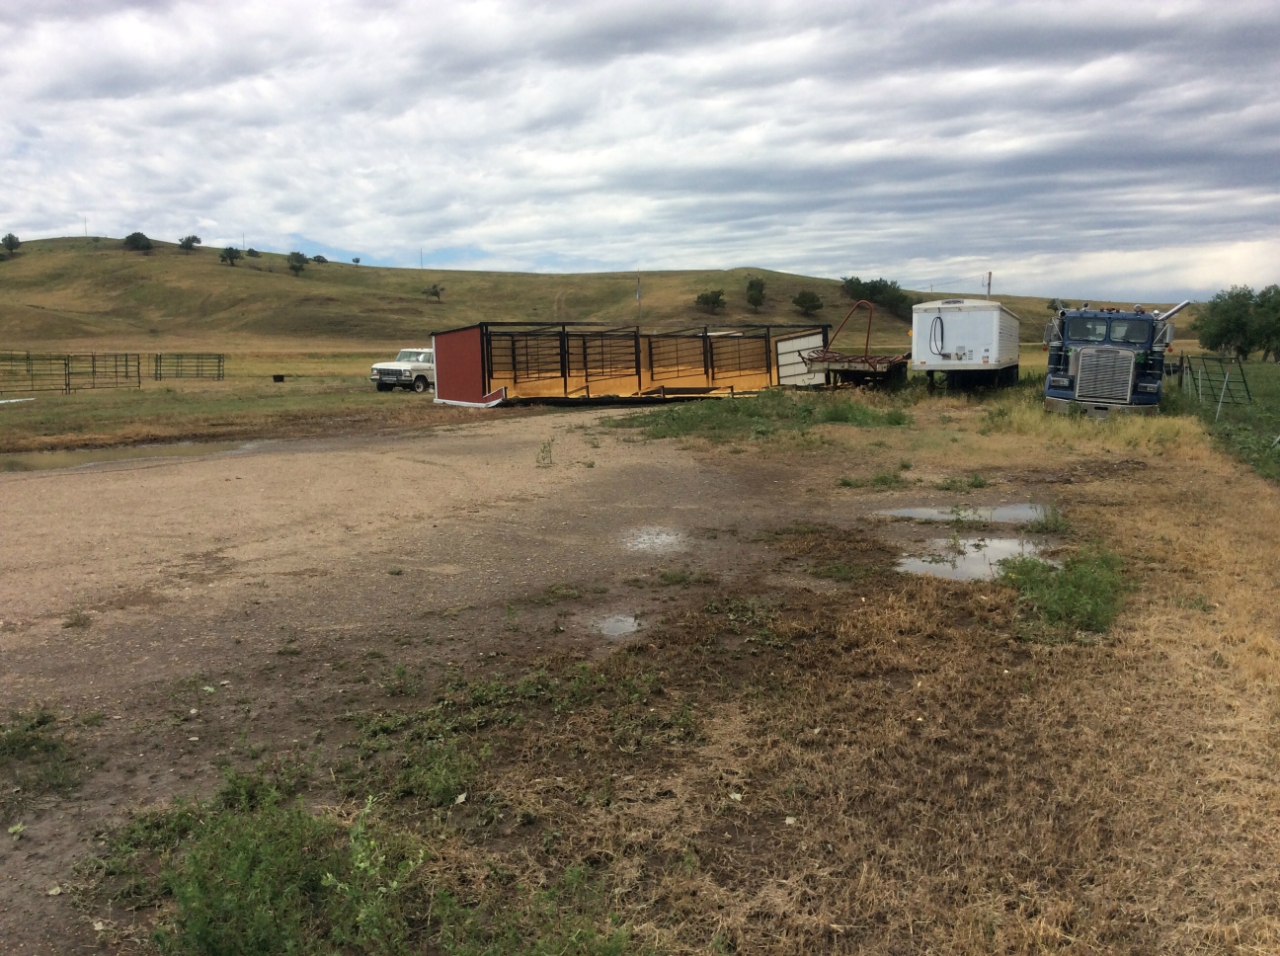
x: 1053, y: 522
x: 35, y: 760
x: 1085, y: 594
x: 768, y: 413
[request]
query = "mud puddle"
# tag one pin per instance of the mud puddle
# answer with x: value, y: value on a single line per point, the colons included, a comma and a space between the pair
x: 1001, y: 514
x: 654, y: 540
x: 618, y: 625
x: 968, y: 559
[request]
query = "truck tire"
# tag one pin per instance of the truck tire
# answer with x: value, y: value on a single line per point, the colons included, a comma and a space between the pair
x: 420, y: 384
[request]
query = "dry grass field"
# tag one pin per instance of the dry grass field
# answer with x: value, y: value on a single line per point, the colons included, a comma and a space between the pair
x: 272, y: 727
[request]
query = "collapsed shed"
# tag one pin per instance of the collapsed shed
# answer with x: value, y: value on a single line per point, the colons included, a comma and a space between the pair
x: 485, y: 364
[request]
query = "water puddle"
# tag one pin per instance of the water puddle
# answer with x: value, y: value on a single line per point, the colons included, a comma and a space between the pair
x: 49, y: 460
x: 618, y: 625
x: 968, y: 559
x: 654, y: 540
x: 1003, y: 514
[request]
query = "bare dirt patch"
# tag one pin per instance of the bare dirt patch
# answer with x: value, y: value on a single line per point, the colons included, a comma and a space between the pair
x: 798, y: 750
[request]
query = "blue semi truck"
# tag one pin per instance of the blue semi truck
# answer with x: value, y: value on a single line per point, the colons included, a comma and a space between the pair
x: 1106, y: 360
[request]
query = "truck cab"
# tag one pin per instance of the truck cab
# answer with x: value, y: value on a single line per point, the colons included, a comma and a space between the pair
x: 1106, y: 360
x: 413, y: 369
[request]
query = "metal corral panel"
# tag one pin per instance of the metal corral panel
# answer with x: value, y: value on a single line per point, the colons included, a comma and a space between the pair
x: 792, y: 369
x: 484, y: 363
x: 954, y: 335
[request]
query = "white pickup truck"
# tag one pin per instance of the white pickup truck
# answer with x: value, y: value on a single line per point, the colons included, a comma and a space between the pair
x: 412, y: 368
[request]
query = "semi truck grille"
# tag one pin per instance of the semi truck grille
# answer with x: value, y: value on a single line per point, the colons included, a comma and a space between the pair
x: 1105, y: 375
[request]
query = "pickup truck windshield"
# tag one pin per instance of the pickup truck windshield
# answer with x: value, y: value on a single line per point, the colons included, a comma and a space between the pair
x: 407, y: 356
x: 1130, y: 331
x: 1087, y: 330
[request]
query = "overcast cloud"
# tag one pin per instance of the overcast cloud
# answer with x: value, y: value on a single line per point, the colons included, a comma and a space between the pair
x: 1131, y: 149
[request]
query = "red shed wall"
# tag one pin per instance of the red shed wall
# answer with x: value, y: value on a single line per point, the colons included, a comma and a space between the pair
x: 459, y: 366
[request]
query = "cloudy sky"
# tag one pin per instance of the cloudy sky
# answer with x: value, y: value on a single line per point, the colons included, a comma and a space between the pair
x: 1123, y: 148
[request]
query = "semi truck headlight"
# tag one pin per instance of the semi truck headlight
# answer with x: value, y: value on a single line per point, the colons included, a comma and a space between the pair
x: 1058, y: 382
x: 1148, y: 387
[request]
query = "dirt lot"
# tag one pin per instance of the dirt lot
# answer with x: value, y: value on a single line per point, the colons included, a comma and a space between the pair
x: 879, y: 763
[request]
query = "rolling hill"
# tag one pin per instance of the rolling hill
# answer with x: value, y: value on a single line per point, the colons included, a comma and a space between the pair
x: 91, y: 293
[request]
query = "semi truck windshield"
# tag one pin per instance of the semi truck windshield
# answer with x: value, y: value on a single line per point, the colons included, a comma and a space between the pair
x: 1087, y: 330
x: 1130, y: 331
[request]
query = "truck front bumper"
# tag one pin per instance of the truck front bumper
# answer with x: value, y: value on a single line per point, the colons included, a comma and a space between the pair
x: 1065, y: 406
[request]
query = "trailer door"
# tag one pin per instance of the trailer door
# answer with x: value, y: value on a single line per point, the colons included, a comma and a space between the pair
x: 791, y: 367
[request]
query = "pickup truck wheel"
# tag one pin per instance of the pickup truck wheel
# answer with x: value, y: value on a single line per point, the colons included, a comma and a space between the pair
x: 420, y: 384
x: 383, y: 387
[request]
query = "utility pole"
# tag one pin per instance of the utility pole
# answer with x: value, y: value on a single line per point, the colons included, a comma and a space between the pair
x: 988, y: 285
x: 419, y: 258
x: 86, y: 227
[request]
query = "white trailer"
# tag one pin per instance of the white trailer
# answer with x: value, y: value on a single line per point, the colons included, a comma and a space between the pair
x: 971, y: 341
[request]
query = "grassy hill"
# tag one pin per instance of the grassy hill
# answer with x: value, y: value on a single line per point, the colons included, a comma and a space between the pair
x: 90, y: 293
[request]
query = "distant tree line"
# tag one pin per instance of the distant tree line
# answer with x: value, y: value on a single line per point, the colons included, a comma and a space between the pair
x: 882, y: 292
x: 1240, y: 320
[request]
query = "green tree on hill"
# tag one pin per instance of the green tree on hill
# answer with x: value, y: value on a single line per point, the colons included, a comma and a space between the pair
x: 320, y: 259
x: 253, y: 253
x: 356, y: 260
x: 1266, y: 310
x: 711, y: 301
x: 755, y: 294
x: 882, y: 292
x: 137, y: 242
x: 297, y: 262
x: 10, y: 242
x: 1225, y: 322
x: 807, y: 301
x: 229, y: 255
x: 188, y: 243
x: 1056, y: 305
x: 435, y: 290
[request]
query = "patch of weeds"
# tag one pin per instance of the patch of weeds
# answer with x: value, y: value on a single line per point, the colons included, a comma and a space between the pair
x: 288, y: 651
x: 555, y: 594
x: 435, y: 772
x: 677, y: 577
x: 401, y: 683
x: 1053, y: 522
x: 885, y: 480
x: 838, y: 572
x: 283, y: 881
x: 1085, y: 594
x: 961, y: 483
x: 77, y: 618
x: 904, y: 465
x: 543, y: 458
x: 569, y: 917
x: 396, y: 572
x: 1197, y: 603
x: 35, y: 760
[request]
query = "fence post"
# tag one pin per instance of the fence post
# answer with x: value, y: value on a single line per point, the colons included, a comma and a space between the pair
x: 1226, y: 378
